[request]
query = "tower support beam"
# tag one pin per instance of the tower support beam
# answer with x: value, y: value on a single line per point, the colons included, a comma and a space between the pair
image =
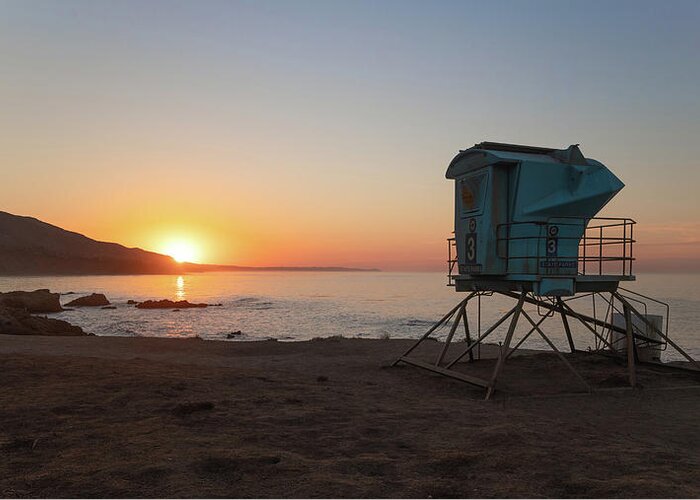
x: 459, y: 314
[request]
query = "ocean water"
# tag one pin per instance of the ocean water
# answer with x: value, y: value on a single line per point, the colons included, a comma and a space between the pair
x: 302, y: 305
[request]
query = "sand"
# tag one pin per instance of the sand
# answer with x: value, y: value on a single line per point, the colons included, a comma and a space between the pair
x: 146, y: 417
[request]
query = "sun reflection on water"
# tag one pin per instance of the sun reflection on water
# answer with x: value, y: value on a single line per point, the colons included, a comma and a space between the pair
x: 180, y: 288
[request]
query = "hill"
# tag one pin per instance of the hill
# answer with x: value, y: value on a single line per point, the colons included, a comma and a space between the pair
x: 29, y: 246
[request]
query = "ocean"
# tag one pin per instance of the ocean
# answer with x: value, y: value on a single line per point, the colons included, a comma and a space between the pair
x: 290, y: 306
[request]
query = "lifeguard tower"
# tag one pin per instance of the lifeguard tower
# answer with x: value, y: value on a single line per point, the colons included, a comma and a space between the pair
x: 526, y: 228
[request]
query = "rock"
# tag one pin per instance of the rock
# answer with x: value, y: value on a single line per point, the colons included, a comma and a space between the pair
x: 131, y: 302
x: 94, y: 299
x: 108, y: 307
x: 167, y: 304
x: 38, y: 301
x: 17, y: 321
x: 233, y: 335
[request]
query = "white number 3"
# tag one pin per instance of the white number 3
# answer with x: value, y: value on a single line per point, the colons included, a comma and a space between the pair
x: 471, y: 248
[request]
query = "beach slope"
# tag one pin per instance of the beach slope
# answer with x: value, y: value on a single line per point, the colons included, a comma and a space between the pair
x: 146, y: 417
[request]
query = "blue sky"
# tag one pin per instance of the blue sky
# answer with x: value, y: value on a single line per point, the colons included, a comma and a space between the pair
x: 326, y: 105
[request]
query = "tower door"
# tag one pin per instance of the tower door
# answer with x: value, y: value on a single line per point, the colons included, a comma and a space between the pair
x: 482, y: 211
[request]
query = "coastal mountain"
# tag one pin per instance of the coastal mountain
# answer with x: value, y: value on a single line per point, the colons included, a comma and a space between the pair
x: 29, y: 246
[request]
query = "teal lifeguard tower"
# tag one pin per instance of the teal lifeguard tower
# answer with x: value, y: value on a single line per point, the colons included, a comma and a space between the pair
x: 525, y: 227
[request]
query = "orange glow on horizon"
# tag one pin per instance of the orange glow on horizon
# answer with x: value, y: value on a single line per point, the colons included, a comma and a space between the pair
x: 181, y: 250
x: 241, y: 138
x: 212, y: 227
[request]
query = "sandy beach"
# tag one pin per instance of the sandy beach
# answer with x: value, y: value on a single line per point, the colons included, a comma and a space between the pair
x: 146, y: 417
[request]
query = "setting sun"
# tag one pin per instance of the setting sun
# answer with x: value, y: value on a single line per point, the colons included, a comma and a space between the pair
x: 181, y: 251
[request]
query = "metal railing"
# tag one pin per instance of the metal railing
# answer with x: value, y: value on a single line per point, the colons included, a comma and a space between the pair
x: 606, y: 246
x: 451, y: 260
x: 599, y: 238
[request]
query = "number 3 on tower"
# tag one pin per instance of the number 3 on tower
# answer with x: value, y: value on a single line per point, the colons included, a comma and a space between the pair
x: 471, y: 248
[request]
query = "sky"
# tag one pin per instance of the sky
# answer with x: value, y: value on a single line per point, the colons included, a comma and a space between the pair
x: 318, y: 132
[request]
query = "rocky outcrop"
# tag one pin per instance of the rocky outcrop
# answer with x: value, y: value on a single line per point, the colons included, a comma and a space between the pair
x: 18, y: 321
x: 92, y: 300
x: 167, y: 304
x: 38, y: 301
x: 31, y: 247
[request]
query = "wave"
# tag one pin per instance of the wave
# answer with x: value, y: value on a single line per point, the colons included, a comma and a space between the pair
x: 418, y: 322
x: 252, y: 303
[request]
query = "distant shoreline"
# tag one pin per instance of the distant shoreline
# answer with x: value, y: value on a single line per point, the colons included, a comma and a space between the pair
x: 30, y: 247
x: 221, y: 269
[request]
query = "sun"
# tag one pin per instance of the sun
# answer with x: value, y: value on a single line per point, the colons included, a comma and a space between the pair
x: 181, y: 251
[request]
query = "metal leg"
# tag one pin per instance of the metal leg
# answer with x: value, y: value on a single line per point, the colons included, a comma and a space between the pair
x: 570, y: 312
x: 622, y: 330
x: 506, y: 345
x: 527, y: 335
x: 482, y: 337
x: 567, y: 329
x: 562, y: 308
x: 448, y: 340
x: 437, y: 325
x: 582, y: 319
x: 467, y: 335
x: 630, y: 346
x: 478, y: 326
x: 554, y: 348
x: 657, y: 331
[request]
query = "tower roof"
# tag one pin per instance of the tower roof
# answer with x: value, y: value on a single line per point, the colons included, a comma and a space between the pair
x: 486, y: 153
